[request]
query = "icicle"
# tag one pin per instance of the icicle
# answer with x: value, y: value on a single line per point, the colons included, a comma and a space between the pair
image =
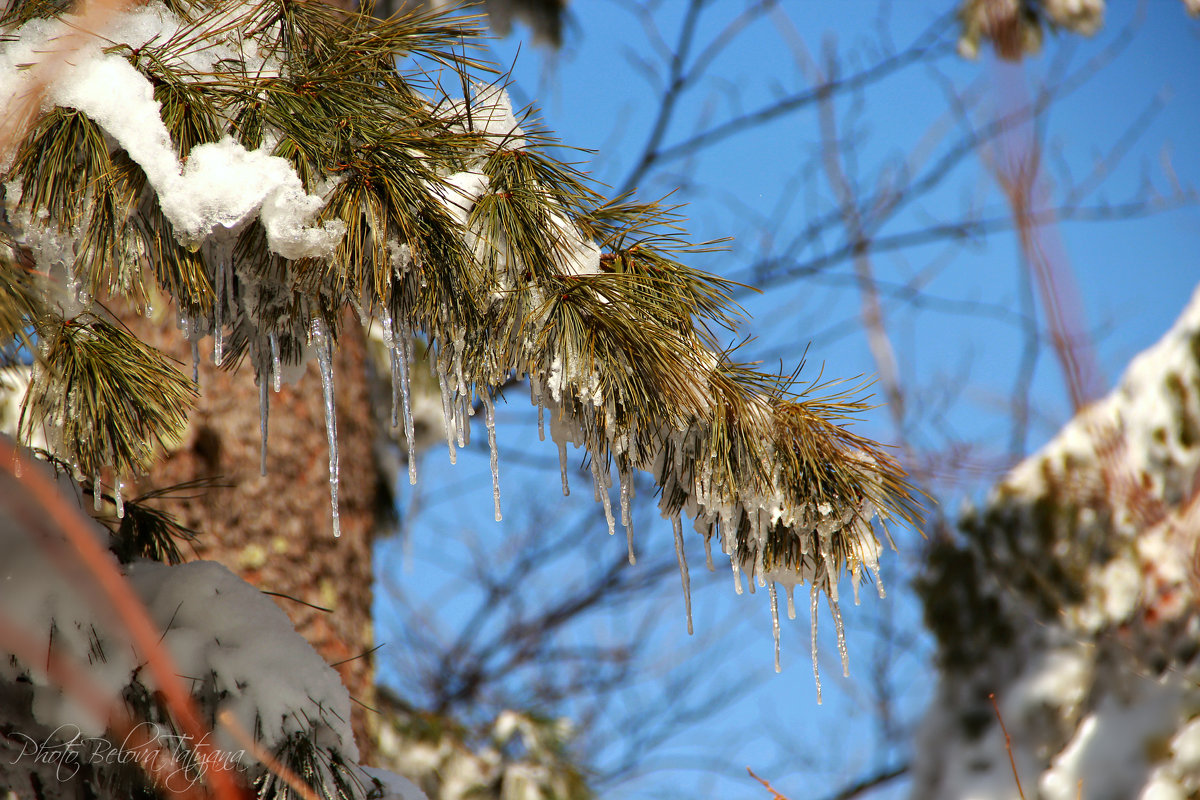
x: 404, y: 350
x: 490, y: 410
x: 602, y: 496
x: 841, y: 637
x: 737, y: 572
x: 460, y: 420
x: 562, y: 466
x: 816, y: 668
x: 878, y: 581
x: 276, y: 371
x: 219, y: 317
x: 541, y: 425
x: 395, y: 359
x: 264, y: 410
x: 681, y: 557
x: 120, y: 500
x: 596, y: 483
x: 97, y: 492
x: 195, y: 359
x: 324, y: 347
x: 775, y: 623
x: 708, y: 562
x: 446, y: 413
x: 791, y: 601
x: 626, y: 516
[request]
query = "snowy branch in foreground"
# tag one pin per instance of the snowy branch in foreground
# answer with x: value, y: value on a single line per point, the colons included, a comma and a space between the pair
x: 1073, y: 597
x: 245, y: 666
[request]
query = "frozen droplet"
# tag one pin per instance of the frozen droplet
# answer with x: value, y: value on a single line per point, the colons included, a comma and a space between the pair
x: 264, y: 410
x: 791, y: 601
x: 117, y: 487
x: 97, y: 492
x: 681, y: 557
x: 276, y: 371
x: 324, y: 348
x: 775, y: 622
x: 813, y: 626
x: 562, y: 466
x: 490, y: 418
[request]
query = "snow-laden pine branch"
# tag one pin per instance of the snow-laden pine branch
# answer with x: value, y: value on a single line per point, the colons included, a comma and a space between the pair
x: 267, y: 166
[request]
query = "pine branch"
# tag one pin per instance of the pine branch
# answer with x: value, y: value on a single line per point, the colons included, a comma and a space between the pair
x: 103, y: 398
x: 448, y: 219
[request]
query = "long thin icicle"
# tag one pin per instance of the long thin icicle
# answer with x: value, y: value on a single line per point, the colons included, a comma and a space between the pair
x: 562, y: 467
x: 816, y: 667
x: 490, y: 418
x: 403, y: 344
x: 681, y: 557
x: 389, y: 344
x: 219, y: 315
x: 324, y: 348
x: 775, y: 622
x: 117, y: 487
x: 841, y: 636
x: 276, y: 371
x: 97, y: 492
x: 626, y: 479
x: 541, y: 424
x: 791, y: 594
x: 602, y: 496
x: 446, y: 413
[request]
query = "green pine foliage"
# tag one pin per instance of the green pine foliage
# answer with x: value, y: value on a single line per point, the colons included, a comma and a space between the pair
x: 504, y: 260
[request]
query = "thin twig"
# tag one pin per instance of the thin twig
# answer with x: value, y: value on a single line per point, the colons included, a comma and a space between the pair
x: 775, y: 793
x: 1007, y: 744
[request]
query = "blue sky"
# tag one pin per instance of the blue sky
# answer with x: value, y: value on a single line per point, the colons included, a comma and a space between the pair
x: 958, y: 352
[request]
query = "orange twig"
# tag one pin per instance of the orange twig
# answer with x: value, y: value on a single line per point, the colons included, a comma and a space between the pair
x: 775, y: 795
x: 1007, y: 744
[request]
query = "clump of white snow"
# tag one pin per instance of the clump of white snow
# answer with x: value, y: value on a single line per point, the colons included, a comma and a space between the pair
x: 222, y: 185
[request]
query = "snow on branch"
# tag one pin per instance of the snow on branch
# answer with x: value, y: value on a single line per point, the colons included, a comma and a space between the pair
x: 267, y: 165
